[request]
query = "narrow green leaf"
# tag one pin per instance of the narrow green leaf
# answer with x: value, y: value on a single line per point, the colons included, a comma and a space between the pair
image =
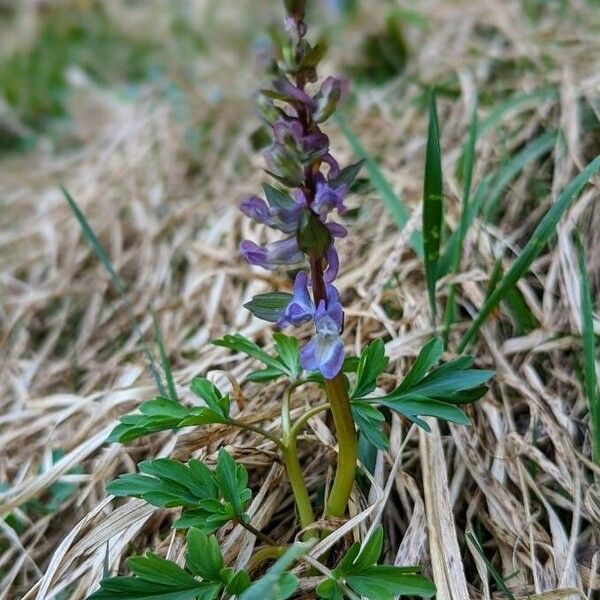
x: 428, y: 357
x: 204, y: 556
x: 104, y: 259
x: 393, y: 203
x: 348, y: 174
x: 369, y: 422
x: 269, y: 307
x: 491, y: 189
x: 232, y: 479
x: 371, y: 365
x: 383, y: 582
x: 239, y: 343
x: 432, y: 204
x: 590, y: 383
x: 288, y: 352
x: 467, y: 178
x: 490, y: 567
x: 164, y: 359
x: 532, y: 249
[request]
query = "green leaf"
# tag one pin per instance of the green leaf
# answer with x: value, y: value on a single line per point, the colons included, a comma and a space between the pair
x: 491, y: 569
x: 207, y: 391
x: 429, y: 355
x: 413, y: 407
x: 590, y: 383
x: 160, y: 414
x: 209, y: 498
x: 369, y: 422
x: 347, y: 174
x: 104, y: 259
x: 468, y: 159
x: 239, y: 343
x: 532, y: 249
x: 277, y: 198
x: 276, y: 584
x: 232, y: 479
x: 382, y: 582
x: 159, y: 570
x: 393, y: 203
x: 369, y: 554
x: 155, y: 579
x: 164, y: 359
x: 204, y: 556
x: 288, y: 352
x: 329, y: 590
x: 269, y: 307
x: 432, y: 204
x: 371, y: 364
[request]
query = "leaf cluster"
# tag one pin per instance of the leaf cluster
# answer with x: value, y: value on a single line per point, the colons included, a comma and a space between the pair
x: 209, y: 497
x: 359, y: 571
x: 205, y: 577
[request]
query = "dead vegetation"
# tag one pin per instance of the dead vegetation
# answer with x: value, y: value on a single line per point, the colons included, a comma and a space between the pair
x: 520, y: 478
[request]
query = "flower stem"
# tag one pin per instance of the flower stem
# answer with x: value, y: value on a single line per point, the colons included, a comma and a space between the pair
x: 347, y: 449
x: 342, y: 419
x: 296, y: 479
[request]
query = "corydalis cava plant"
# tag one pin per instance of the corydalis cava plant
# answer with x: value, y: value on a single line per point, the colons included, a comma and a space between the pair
x: 300, y: 160
x: 307, y: 198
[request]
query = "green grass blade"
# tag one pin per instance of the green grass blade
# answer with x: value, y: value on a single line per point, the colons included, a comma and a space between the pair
x: 534, y: 150
x: 491, y: 188
x: 104, y: 259
x: 432, y: 204
x: 498, y: 113
x: 590, y: 383
x: 490, y: 567
x: 164, y: 359
x: 467, y: 178
x: 393, y: 203
x: 532, y: 249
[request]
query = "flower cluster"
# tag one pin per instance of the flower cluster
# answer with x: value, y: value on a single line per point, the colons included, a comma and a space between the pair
x: 314, y: 187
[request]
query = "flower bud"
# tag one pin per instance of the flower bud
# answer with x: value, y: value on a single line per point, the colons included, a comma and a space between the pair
x: 327, y: 99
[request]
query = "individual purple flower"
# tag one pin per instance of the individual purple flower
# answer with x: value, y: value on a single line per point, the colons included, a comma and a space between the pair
x: 306, y: 146
x: 284, y: 218
x: 281, y: 253
x: 328, y: 198
x: 301, y: 307
x: 333, y: 265
x: 325, y: 351
x: 285, y: 87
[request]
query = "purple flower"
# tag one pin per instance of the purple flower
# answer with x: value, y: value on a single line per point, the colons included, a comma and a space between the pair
x: 306, y: 146
x: 282, y: 253
x: 328, y: 198
x: 333, y: 265
x: 301, y: 307
x: 325, y: 351
x: 284, y: 218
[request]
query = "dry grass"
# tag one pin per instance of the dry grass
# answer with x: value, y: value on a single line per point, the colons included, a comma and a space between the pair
x: 71, y: 361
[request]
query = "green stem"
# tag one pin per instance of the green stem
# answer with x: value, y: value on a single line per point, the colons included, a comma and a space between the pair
x: 296, y: 479
x: 301, y: 422
x: 256, y: 429
x: 347, y: 447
